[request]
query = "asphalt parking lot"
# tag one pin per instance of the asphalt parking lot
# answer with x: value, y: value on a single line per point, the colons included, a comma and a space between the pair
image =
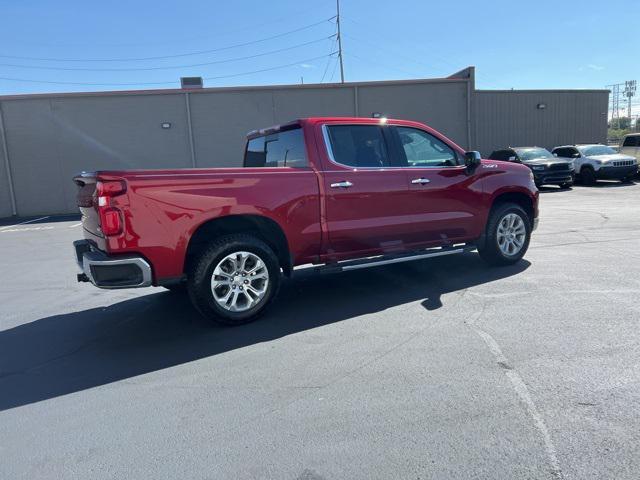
x: 440, y: 369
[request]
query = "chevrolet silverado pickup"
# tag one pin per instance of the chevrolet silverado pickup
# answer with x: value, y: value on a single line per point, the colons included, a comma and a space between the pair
x: 334, y: 194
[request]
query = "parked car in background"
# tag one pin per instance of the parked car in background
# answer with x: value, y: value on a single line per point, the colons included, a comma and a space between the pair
x: 341, y: 193
x: 630, y: 145
x: 546, y: 168
x: 595, y: 161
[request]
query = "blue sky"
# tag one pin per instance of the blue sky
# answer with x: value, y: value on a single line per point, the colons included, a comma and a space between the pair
x: 513, y: 44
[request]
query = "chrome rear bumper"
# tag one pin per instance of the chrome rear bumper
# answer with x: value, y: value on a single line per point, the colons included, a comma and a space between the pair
x: 127, y: 271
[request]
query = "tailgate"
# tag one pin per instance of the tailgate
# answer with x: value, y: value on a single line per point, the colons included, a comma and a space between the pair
x: 85, y: 200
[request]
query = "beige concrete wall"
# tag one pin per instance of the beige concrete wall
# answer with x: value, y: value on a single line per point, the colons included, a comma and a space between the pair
x: 51, y: 139
x: 511, y: 118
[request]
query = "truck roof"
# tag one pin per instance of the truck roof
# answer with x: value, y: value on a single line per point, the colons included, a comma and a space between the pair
x: 316, y: 120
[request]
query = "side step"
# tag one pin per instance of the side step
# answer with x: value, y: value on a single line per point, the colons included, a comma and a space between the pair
x: 347, y: 265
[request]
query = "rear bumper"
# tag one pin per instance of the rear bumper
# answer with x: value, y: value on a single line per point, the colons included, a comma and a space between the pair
x: 127, y: 271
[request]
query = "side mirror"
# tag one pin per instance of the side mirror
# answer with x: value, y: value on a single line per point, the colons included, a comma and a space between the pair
x: 472, y: 160
x: 512, y: 159
x: 555, y: 155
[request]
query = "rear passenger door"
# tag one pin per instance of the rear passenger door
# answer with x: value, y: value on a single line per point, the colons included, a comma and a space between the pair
x: 365, y: 193
x: 446, y: 200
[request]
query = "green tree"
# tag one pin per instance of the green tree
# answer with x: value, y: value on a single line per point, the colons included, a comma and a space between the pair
x: 622, y: 123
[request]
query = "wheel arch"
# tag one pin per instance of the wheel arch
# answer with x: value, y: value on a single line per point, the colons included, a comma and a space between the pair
x: 519, y: 198
x: 263, y: 228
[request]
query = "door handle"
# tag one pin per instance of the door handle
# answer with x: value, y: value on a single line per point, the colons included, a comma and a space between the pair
x: 345, y: 184
x: 420, y: 181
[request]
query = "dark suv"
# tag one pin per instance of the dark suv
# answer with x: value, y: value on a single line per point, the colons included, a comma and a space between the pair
x: 547, y: 169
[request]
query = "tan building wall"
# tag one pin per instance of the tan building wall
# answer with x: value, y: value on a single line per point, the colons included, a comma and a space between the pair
x: 51, y: 137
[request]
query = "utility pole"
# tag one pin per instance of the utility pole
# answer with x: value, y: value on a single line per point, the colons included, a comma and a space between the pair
x: 629, y: 91
x: 339, y: 41
x: 615, y: 103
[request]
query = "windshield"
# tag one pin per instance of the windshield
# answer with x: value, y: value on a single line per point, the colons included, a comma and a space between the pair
x: 596, y: 150
x: 534, y: 153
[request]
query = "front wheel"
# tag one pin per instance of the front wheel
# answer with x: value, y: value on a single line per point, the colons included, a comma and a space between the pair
x: 234, y: 279
x: 507, y: 235
x: 566, y: 186
x: 588, y: 176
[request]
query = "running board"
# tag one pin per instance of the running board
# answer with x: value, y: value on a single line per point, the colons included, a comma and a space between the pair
x: 348, y: 265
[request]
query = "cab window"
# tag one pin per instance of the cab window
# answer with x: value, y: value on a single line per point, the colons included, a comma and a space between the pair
x: 631, y: 141
x: 280, y: 149
x: 420, y: 149
x: 358, y: 145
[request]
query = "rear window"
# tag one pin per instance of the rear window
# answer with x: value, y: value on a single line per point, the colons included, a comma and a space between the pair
x: 280, y: 149
x: 631, y: 141
x: 358, y: 145
x: 501, y: 155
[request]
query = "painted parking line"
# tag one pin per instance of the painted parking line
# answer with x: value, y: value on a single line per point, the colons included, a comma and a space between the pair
x: 75, y: 225
x: 22, y: 223
x: 27, y: 229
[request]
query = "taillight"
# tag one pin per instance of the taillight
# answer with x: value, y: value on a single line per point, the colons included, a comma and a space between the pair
x: 110, y: 217
x: 110, y: 188
x: 110, y: 221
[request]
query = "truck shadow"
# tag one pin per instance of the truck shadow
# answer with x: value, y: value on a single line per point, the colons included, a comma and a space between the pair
x: 67, y: 353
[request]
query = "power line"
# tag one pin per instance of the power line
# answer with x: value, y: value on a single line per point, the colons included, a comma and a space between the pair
x: 27, y: 80
x: 160, y: 57
x: 326, y: 67
x: 218, y: 33
x: 140, y: 69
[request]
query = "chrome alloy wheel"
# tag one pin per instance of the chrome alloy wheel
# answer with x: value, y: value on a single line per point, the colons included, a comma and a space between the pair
x: 239, y: 281
x: 511, y: 234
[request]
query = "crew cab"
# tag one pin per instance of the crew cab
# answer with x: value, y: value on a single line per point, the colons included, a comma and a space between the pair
x: 335, y: 194
x: 595, y: 161
x: 547, y: 169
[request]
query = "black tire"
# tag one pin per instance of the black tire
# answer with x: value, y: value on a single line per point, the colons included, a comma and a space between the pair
x: 566, y: 186
x: 490, y: 250
x: 628, y: 179
x: 200, y: 275
x: 588, y: 176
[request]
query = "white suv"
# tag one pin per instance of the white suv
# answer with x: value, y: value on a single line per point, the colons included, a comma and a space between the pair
x: 593, y: 162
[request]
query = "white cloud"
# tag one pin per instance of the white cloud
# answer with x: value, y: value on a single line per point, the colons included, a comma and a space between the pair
x: 593, y: 66
x: 307, y: 65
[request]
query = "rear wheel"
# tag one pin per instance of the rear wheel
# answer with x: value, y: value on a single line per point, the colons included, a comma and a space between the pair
x: 234, y: 279
x: 507, y: 235
x: 628, y: 179
x: 588, y: 176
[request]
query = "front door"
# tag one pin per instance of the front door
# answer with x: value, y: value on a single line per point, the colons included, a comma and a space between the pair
x: 445, y: 201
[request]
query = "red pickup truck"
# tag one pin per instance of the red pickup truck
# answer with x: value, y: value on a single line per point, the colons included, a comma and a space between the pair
x: 335, y: 193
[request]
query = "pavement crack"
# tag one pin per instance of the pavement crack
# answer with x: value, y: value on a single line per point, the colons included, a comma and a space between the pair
x: 522, y: 391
